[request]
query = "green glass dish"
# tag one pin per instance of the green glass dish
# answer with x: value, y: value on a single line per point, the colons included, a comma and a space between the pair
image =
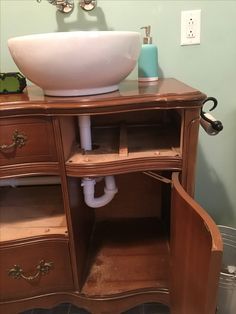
x: 12, y: 83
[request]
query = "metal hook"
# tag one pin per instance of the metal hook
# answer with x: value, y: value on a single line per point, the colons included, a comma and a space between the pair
x: 215, y: 102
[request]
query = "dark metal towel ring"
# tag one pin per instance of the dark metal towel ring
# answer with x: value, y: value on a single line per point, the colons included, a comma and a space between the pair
x: 215, y: 124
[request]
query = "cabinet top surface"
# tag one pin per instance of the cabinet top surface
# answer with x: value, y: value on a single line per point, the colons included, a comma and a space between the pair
x: 132, y: 95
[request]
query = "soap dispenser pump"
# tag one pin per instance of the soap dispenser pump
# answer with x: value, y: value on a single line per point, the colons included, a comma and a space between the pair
x: 147, y: 62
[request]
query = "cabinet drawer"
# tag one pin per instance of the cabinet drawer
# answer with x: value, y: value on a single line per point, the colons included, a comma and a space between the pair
x: 26, y: 140
x: 35, y: 268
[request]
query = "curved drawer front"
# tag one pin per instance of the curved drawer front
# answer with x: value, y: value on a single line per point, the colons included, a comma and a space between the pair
x: 26, y: 140
x: 35, y: 268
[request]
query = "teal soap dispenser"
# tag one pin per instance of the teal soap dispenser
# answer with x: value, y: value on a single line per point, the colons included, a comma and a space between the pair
x: 147, y: 62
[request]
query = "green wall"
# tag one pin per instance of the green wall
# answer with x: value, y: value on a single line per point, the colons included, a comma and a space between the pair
x: 210, y: 67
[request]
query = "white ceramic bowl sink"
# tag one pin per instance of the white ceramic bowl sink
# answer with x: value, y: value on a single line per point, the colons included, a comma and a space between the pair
x: 76, y: 63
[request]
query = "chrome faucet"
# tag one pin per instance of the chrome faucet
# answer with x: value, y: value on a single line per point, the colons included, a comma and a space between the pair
x: 66, y: 6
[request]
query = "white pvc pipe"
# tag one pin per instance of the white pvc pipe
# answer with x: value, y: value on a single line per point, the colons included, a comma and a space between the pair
x: 89, y: 189
x: 88, y: 184
x: 85, y: 132
x: 44, y: 180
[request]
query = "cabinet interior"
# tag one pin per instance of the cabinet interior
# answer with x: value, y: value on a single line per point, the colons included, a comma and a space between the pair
x: 126, y: 136
x: 128, y: 243
x: 40, y: 214
x: 123, y: 246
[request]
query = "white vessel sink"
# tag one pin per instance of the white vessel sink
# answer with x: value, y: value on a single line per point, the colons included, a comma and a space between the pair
x: 76, y: 63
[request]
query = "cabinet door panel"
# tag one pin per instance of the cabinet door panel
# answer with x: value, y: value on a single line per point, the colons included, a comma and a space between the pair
x: 196, y: 251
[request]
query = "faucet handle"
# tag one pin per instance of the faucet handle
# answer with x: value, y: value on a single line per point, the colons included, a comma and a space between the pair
x: 64, y: 6
x: 87, y: 5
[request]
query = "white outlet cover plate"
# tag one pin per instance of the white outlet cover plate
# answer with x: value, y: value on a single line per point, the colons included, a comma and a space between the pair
x: 190, y: 27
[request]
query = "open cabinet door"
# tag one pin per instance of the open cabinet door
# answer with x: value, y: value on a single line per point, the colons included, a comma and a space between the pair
x: 196, y: 251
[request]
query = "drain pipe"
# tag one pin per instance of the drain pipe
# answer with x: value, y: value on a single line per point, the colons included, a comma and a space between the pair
x: 88, y: 184
x: 85, y: 132
x: 89, y: 188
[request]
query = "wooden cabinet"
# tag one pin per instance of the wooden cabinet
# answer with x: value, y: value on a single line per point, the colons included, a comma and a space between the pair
x: 151, y: 243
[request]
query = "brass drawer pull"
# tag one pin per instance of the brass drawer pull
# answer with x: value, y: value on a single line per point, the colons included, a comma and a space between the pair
x: 42, y: 268
x: 18, y: 140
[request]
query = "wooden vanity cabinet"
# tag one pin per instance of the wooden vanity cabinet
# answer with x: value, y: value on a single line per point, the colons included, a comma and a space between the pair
x: 151, y: 243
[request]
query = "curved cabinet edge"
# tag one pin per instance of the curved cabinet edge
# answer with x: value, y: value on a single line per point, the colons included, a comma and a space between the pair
x: 29, y: 169
x: 114, y: 305
x: 196, y: 252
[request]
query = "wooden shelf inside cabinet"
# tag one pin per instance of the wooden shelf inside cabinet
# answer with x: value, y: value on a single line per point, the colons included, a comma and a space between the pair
x: 128, y: 255
x: 24, y: 217
x: 126, y: 148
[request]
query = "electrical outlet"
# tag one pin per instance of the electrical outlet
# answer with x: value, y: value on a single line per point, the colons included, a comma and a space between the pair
x: 190, y: 27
